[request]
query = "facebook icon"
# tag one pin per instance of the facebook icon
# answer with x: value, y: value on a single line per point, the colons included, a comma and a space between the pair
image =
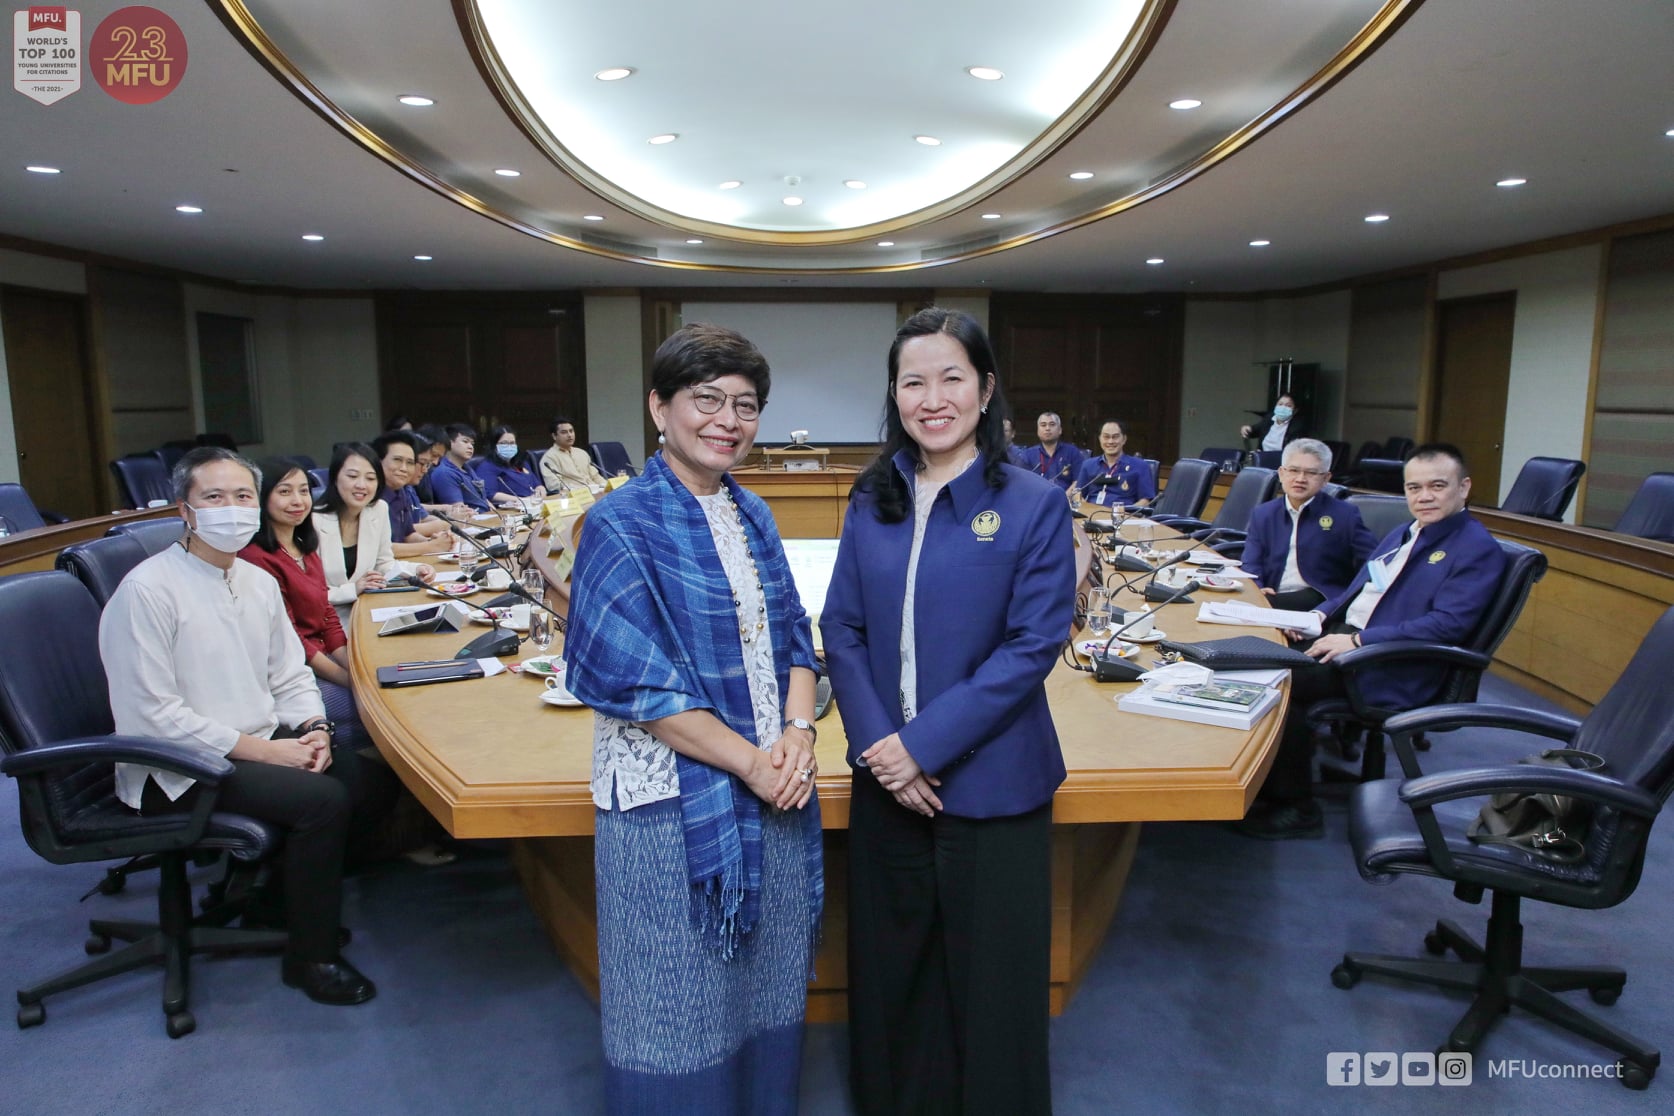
x: 1342, y: 1068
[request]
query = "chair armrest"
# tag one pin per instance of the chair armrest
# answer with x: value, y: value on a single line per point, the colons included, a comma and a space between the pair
x: 1185, y: 524
x: 201, y: 766
x: 1382, y: 654
x: 1227, y: 534
x: 1445, y: 718
x: 1529, y: 778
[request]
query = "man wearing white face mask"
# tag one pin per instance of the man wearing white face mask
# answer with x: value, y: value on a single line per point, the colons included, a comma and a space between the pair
x: 1277, y: 430
x: 199, y: 653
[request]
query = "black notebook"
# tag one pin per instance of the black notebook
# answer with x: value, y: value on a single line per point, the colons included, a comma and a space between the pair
x: 423, y: 674
x: 1245, y: 652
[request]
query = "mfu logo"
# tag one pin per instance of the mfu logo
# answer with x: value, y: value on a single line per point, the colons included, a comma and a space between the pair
x: 138, y: 55
x: 1414, y: 1067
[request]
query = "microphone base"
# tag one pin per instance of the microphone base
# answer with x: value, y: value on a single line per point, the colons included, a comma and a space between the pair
x: 1156, y: 594
x: 490, y: 645
x: 1114, y: 668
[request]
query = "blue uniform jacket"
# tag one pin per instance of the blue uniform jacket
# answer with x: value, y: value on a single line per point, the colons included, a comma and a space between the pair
x: 992, y: 606
x: 452, y: 485
x: 1130, y: 482
x: 1332, y: 544
x: 1441, y: 592
x: 1060, y: 468
x: 497, y: 477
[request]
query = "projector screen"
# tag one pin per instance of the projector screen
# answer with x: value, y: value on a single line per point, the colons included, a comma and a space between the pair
x: 828, y: 361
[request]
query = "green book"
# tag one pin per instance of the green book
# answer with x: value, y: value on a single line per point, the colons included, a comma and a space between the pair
x: 1215, y: 695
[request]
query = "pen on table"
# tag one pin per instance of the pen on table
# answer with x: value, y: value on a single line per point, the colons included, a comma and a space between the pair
x: 424, y: 665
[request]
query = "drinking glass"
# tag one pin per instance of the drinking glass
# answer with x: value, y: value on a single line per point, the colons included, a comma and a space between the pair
x: 542, y: 630
x: 1098, y: 612
x: 534, y: 584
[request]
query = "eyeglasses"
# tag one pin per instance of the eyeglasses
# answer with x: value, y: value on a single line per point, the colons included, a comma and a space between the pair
x: 1293, y: 471
x: 708, y: 401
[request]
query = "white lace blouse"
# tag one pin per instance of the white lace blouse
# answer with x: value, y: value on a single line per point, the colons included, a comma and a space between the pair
x: 641, y: 768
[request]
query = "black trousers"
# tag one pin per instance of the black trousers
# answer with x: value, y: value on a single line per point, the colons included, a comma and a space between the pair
x: 950, y: 923
x: 317, y: 812
x: 1292, y: 776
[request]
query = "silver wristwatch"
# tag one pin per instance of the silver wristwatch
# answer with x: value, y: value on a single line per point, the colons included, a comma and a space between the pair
x: 805, y: 726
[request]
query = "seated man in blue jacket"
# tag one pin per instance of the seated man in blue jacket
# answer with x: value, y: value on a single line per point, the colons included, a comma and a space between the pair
x: 1056, y: 460
x: 1305, y: 547
x: 1429, y: 580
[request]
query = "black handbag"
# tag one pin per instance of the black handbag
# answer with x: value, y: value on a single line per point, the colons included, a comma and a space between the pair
x: 1552, y: 826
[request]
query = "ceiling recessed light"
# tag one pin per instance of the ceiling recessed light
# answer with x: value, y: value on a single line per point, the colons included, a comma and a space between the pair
x: 793, y: 200
x: 854, y: 184
x: 424, y: 258
x: 614, y: 73
x: 1670, y: 132
x: 928, y: 141
x: 1081, y: 176
x: 188, y: 209
x: 730, y: 184
x: 693, y: 240
x: 1376, y: 218
x: 39, y: 169
x: 1260, y: 243
x: 985, y: 73
x: 507, y: 172
x: 666, y: 137
x: 591, y: 217
x: 1510, y: 182
x: 416, y: 100
x: 1154, y: 260
x: 992, y: 216
x: 1185, y: 103
x: 312, y: 236
x: 886, y: 244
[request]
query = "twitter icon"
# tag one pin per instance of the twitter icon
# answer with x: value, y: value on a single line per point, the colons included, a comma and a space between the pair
x: 1382, y: 1068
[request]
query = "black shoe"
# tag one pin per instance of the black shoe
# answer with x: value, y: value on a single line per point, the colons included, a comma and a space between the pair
x: 253, y: 920
x: 1283, y: 821
x: 328, y: 982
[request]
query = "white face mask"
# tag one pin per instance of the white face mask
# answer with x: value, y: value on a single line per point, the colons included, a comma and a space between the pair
x: 228, y: 528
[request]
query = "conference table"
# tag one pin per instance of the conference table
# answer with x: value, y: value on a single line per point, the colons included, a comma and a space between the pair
x: 489, y: 759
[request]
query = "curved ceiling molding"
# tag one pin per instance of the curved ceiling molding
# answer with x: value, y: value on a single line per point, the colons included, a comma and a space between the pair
x: 1252, y: 65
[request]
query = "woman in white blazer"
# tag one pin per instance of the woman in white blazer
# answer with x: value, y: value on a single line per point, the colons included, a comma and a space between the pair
x: 353, y: 525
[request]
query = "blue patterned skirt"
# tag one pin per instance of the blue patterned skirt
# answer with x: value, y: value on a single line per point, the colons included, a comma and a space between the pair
x: 684, y: 1030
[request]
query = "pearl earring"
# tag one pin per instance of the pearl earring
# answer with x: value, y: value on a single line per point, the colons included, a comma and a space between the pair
x: 660, y: 439
x: 985, y: 408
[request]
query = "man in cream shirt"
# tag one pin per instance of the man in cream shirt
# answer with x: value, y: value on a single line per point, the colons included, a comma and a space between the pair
x: 563, y: 466
x: 199, y: 653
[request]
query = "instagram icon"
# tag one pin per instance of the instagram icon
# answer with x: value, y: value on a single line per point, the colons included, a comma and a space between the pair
x: 1453, y: 1068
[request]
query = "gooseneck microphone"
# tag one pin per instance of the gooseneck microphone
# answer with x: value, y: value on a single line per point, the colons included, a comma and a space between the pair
x: 499, y: 641
x: 1108, y: 667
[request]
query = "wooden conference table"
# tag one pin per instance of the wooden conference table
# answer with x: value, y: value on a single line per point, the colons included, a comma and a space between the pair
x: 489, y: 759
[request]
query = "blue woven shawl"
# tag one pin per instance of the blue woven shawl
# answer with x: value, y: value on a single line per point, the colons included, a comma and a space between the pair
x: 653, y: 632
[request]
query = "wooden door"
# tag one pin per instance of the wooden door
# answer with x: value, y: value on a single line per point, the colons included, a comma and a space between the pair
x: 46, y: 362
x: 1473, y: 369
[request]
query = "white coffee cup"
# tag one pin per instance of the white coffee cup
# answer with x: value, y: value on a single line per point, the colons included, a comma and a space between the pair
x: 1139, y: 624
x: 497, y: 580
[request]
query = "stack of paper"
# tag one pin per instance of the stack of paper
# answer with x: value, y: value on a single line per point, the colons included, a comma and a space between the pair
x: 1240, y: 614
x: 1244, y: 703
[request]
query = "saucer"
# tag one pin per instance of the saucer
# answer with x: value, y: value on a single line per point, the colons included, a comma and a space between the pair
x: 543, y: 666
x: 514, y: 616
x: 1218, y: 584
x: 561, y: 698
x: 1086, y: 647
x: 456, y: 588
x: 1155, y: 635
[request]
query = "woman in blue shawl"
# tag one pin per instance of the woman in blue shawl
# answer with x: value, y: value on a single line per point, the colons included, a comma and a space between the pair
x: 688, y: 640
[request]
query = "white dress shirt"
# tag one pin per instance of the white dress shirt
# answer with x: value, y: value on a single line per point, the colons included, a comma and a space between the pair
x: 1384, y: 572
x: 374, y: 553
x: 1291, y: 580
x: 195, y: 656
x: 571, y: 468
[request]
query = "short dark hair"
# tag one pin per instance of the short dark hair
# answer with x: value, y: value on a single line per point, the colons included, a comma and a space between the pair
x: 432, y: 435
x: 561, y: 420
x: 397, y: 422
x: 1432, y: 450
x: 331, y: 500
x: 381, y: 444
x: 186, y: 469
x: 881, y: 478
x: 274, y: 472
x: 700, y: 352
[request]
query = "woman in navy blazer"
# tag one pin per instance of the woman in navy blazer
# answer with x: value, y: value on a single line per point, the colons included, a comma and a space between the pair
x: 952, y: 592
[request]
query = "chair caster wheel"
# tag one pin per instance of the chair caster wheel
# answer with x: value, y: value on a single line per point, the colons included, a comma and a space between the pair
x: 96, y: 944
x: 1604, y: 996
x: 1434, y: 945
x: 33, y: 1015
x: 1633, y: 1075
x: 180, y: 1024
x: 1344, y: 977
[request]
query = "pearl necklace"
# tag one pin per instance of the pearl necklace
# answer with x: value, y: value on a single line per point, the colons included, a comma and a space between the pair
x: 745, y: 632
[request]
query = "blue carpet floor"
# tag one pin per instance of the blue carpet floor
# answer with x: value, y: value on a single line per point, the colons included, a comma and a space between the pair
x: 1211, y: 994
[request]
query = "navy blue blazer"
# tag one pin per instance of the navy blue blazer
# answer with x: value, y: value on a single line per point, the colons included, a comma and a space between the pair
x: 992, y: 606
x: 1130, y: 482
x: 1059, y: 468
x: 1450, y: 576
x: 1332, y: 543
x: 452, y: 485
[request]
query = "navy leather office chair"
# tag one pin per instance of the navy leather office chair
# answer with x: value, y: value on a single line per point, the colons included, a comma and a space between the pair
x: 155, y: 535
x: 1337, y: 491
x: 18, y: 508
x: 1381, y: 474
x: 1189, y: 483
x: 1340, y: 461
x: 1416, y: 825
x: 612, y: 458
x: 57, y: 735
x: 1544, y: 487
x: 218, y: 439
x: 317, y: 482
x: 141, y: 478
x: 1251, y: 487
x: 303, y: 460
x: 1381, y: 514
x: 1464, y: 662
x: 1229, y: 458
x: 532, y: 462
x: 170, y: 453
x: 1398, y: 447
x: 101, y: 564
x: 1650, y: 514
